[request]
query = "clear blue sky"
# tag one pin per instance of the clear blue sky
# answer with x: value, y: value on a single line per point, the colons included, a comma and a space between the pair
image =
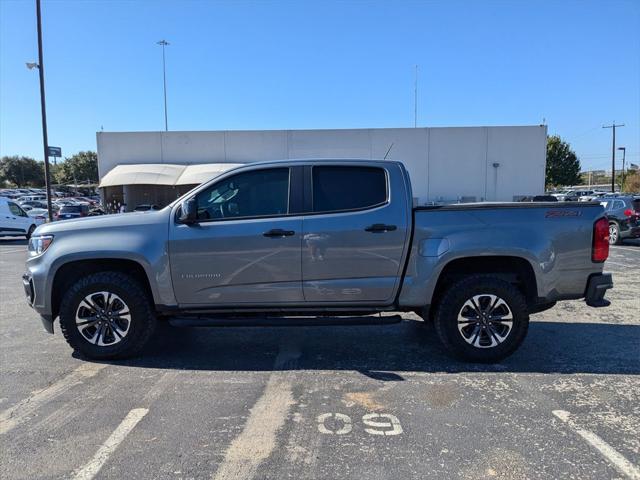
x: 299, y: 64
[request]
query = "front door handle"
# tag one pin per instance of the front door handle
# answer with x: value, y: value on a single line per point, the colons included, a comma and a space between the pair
x: 278, y: 232
x: 380, y: 228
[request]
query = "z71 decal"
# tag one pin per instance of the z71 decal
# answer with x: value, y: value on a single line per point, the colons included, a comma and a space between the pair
x: 562, y: 213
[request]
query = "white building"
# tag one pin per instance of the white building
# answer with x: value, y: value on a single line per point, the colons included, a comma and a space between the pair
x: 445, y: 164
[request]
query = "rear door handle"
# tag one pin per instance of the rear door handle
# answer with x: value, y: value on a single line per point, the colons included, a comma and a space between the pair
x: 278, y: 232
x: 380, y: 228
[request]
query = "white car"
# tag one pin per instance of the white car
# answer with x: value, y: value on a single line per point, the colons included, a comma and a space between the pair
x: 32, y: 198
x: 38, y: 213
x: 593, y: 196
x: 14, y: 221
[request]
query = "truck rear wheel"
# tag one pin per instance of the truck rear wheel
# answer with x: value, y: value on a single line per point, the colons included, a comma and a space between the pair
x: 107, y: 315
x: 482, y: 318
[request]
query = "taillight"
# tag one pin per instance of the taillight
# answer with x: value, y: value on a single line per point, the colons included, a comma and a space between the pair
x: 629, y: 213
x: 600, y: 246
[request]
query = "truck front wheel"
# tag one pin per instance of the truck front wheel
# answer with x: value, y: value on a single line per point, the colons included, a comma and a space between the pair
x: 482, y: 318
x: 106, y: 315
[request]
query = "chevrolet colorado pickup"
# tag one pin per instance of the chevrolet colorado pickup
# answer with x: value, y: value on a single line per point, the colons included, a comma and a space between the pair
x: 314, y: 238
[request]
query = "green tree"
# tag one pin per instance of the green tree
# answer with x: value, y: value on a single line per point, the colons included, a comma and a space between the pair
x: 80, y: 167
x: 563, y: 166
x: 21, y: 171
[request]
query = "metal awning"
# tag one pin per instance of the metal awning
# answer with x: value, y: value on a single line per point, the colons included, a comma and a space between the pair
x: 197, y: 174
x: 143, y: 174
x: 163, y: 174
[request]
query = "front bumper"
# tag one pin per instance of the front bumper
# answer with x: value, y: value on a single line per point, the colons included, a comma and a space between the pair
x: 597, y: 286
x: 30, y: 292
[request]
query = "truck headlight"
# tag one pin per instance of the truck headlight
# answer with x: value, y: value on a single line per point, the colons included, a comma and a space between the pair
x: 39, y: 244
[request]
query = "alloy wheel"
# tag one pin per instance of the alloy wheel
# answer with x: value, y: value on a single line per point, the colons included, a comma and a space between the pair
x: 613, y: 234
x: 485, y: 321
x: 103, y: 318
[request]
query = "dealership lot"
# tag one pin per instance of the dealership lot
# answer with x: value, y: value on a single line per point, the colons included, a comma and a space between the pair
x: 326, y: 402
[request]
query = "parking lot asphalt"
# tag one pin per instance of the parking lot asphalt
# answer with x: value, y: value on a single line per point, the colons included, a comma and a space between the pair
x: 326, y: 402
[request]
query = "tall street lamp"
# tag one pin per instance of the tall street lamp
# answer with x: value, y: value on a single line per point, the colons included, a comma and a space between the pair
x: 164, y: 43
x: 45, y: 141
x: 624, y: 154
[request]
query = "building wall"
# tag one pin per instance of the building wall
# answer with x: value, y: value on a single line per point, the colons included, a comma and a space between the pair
x: 445, y: 164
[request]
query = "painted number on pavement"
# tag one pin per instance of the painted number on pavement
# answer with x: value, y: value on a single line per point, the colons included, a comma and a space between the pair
x: 377, y: 424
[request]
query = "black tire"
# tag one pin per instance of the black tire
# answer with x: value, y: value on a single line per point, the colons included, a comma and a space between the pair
x: 30, y: 231
x: 451, y: 305
x: 141, y: 325
x: 614, y: 234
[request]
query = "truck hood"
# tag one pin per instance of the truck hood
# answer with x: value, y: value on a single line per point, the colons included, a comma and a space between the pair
x: 106, y: 222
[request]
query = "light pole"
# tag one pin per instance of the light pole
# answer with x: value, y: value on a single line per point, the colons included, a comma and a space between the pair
x: 624, y: 154
x: 45, y: 141
x: 164, y: 43
x: 613, y: 153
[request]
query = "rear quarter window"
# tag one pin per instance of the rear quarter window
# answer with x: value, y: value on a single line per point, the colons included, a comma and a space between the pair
x: 343, y: 188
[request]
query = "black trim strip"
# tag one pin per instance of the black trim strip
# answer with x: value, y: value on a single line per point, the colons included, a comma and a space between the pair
x: 506, y: 206
x: 296, y: 193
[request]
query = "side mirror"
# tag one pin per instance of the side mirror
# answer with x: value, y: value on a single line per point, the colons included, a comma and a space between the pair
x: 188, y: 211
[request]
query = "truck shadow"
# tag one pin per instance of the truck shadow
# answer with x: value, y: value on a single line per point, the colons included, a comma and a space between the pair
x: 385, y: 351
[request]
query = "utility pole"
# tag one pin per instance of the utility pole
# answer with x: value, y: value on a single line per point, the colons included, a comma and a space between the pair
x: 613, y: 153
x: 164, y: 43
x: 415, y: 99
x: 47, y: 178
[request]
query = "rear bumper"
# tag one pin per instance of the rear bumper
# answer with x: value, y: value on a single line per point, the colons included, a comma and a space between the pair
x: 597, y: 286
x: 632, y: 232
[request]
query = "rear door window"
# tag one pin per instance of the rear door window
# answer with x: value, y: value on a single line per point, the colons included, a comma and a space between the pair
x: 343, y: 188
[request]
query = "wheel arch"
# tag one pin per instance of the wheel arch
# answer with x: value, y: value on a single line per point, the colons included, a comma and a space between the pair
x: 69, y: 272
x: 516, y: 270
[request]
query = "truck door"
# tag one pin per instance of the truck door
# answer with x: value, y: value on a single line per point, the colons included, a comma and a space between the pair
x: 355, y: 234
x: 245, y: 248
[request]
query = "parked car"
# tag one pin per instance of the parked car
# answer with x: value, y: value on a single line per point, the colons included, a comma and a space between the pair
x: 14, y: 221
x: 145, y: 207
x: 575, y: 195
x: 33, y: 204
x: 316, y: 237
x: 539, y: 198
x: 39, y: 213
x: 592, y: 197
x: 30, y: 198
x: 623, y: 213
x: 67, y: 212
x: 560, y: 196
x: 88, y: 200
x: 96, y: 211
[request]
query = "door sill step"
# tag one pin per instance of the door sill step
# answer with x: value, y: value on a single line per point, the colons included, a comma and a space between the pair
x: 282, y: 321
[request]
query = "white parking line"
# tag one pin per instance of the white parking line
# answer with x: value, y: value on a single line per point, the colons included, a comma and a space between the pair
x: 14, y: 251
x: 119, y: 434
x: 258, y: 438
x: 630, y: 249
x: 609, y: 262
x: 22, y: 411
x: 621, y: 464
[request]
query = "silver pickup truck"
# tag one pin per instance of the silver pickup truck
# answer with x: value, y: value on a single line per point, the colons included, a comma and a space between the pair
x: 316, y: 238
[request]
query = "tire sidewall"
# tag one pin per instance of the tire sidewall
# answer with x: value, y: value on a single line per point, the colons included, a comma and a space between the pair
x: 454, y: 299
x: 132, y: 295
